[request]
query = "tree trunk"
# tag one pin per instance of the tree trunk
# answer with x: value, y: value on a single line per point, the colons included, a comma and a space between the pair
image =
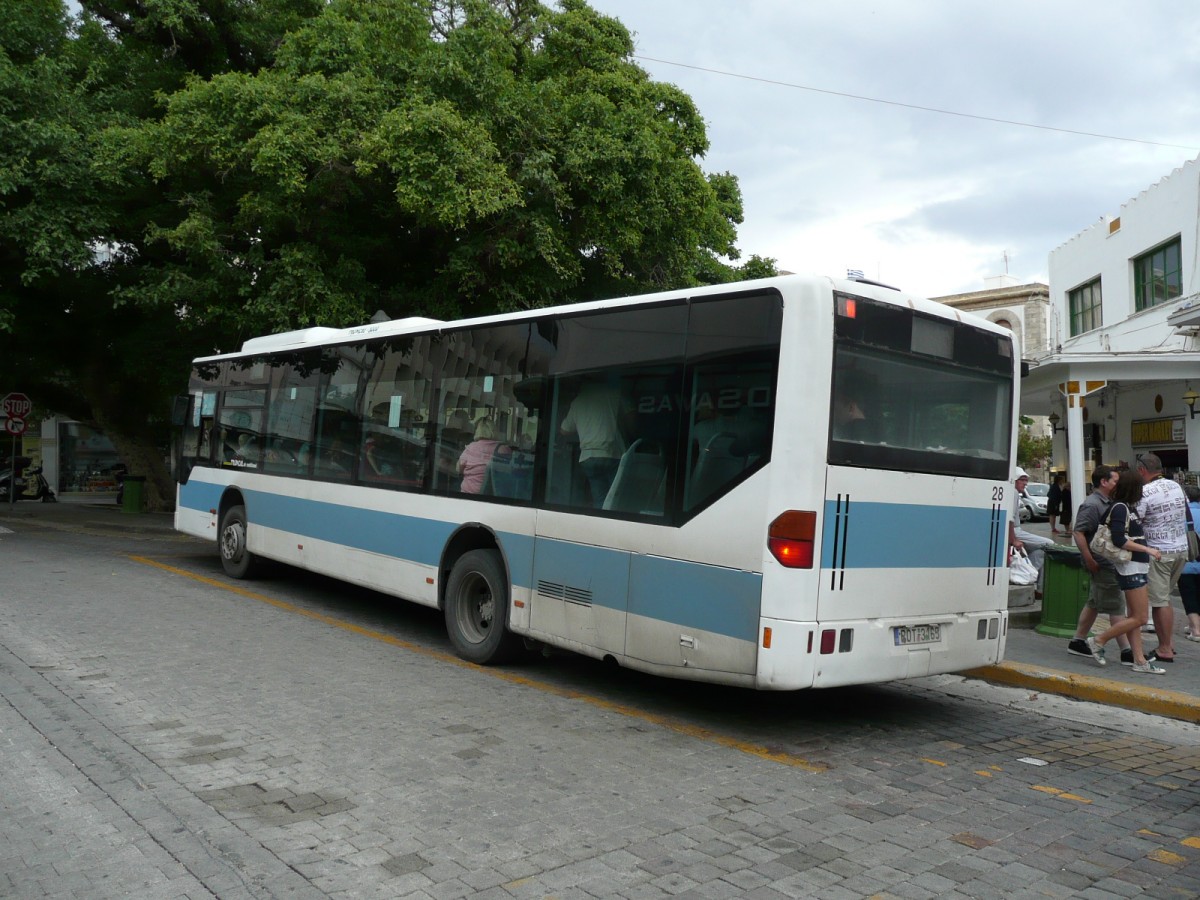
x: 138, y: 444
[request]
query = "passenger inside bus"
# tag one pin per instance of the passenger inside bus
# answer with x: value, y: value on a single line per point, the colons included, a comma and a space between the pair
x: 473, y: 463
x: 850, y: 422
x: 596, y: 416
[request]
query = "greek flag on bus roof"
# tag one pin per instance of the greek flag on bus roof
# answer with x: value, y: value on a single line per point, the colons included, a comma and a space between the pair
x: 854, y: 273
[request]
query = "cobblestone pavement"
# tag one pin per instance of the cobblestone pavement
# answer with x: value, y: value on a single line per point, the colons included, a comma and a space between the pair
x: 168, y: 733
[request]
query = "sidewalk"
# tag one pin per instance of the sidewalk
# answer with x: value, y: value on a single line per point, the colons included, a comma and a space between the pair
x: 1041, y: 662
x: 89, y: 513
x: 1032, y: 660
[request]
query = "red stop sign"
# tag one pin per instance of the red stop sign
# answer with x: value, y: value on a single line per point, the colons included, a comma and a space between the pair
x: 17, y: 405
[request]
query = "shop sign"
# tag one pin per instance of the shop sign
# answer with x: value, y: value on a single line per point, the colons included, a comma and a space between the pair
x: 1155, y: 432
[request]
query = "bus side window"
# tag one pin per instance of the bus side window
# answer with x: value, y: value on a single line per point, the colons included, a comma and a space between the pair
x: 730, y: 432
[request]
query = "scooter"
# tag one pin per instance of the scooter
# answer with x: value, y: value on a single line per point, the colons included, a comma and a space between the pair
x: 28, y: 484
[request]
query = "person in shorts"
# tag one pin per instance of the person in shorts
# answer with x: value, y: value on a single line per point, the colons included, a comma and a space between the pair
x: 1105, y: 595
x: 1131, y: 574
x: 1163, y: 511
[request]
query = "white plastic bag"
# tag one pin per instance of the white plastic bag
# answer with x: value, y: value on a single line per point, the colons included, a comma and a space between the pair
x: 1020, y: 569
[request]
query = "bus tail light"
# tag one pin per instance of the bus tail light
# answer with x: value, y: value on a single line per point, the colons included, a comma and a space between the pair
x: 790, y: 538
x: 828, y: 638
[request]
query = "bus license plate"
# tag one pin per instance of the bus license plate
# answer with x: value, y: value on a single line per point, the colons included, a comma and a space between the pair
x: 917, y: 634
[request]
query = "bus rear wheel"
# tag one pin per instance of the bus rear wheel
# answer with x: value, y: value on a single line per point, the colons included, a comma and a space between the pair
x: 237, y: 561
x: 477, y: 609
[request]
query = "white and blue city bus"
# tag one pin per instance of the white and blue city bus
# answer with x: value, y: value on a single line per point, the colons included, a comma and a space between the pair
x: 808, y: 485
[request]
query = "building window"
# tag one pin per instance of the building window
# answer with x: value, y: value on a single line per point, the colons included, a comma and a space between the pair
x: 1085, y: 307
x: 1158, y: 276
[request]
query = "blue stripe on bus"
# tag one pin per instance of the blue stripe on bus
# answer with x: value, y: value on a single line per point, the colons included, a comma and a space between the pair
x: 911, y: 536
x: 710, y: 598
x: 602, y: 572
x: 410, y: 538
x: 694, y: 595
x: 200, y: 495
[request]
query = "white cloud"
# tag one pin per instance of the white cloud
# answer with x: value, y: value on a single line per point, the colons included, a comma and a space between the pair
x: 929, y: 202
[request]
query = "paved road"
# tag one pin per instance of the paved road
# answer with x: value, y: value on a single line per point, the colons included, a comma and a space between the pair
x: 168, y: 733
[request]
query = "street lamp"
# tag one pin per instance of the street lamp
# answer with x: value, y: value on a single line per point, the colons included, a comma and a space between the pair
x: 1190, y: 398
x: 1054, y: 419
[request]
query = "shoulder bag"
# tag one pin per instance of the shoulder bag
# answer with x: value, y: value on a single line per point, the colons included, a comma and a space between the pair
x: 1102, y: 543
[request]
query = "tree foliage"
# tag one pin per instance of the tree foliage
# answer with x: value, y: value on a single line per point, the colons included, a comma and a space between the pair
x: 179, y: 174
x: 1032, y: 450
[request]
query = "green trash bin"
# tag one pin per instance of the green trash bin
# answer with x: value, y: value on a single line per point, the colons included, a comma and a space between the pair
x: 131, y: 493
x: 1064, y: 592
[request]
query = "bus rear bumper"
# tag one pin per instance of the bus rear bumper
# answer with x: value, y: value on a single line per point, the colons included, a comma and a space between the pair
x: 828, y: 654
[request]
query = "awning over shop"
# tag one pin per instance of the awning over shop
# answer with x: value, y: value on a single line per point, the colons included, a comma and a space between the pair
x: 1041, y: 389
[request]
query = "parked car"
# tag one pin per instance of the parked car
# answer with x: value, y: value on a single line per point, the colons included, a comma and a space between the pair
x: 1033, y: 502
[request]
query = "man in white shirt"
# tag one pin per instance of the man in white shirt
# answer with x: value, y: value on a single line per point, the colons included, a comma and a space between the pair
x: 1018, y: 538
x: 1163, y: 511
x: 596, y: 415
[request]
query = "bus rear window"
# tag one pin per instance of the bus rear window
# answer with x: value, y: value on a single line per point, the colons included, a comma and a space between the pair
x: 924, y: 396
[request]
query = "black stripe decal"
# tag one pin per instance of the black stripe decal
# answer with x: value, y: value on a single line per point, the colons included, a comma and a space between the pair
x: 845, y: 538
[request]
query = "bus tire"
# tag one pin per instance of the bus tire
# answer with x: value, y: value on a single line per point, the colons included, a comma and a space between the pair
x: 237, y: 561
x: 477, y: 609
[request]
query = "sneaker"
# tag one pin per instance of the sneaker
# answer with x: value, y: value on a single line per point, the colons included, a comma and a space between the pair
x: 1149, y: 669
x: 1148, y: 628
x: 1079, y: 647
x: 1097, y: 652
x: 1127, y: 656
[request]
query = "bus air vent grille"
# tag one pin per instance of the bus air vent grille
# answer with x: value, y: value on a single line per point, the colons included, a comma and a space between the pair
x: 551, y: 589
x: 579, y: 596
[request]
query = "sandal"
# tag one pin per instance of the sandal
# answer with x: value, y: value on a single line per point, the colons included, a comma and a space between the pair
x: 1154, y: 657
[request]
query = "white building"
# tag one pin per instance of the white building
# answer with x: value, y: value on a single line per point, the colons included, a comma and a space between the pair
x: 1124, y: 357
x: 1023, y: 308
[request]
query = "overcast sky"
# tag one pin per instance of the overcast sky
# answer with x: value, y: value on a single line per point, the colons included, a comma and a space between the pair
x: 929, y: 202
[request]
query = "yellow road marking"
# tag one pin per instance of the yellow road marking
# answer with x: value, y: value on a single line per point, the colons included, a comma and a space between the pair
x: 1057, y: 793
x: 1191, y: 842
x: 1166, y: 856
x: 983, y: 772
x: 932, y: 762
x: 778, y: 756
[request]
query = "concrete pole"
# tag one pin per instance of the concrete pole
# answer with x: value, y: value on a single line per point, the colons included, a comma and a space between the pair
x: 1075, y: 471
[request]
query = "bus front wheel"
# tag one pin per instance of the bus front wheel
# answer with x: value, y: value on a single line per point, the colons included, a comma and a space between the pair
x: 235, y: 558
x: 477, y: 608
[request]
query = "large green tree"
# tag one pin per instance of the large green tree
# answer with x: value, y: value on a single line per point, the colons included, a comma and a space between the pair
x: 179, y: 174
x: 74, y: 332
